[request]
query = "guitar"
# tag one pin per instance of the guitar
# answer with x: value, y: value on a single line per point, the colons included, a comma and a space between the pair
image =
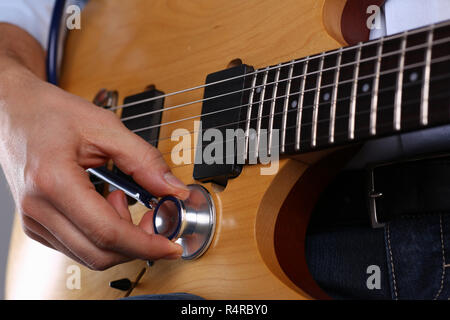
x: 324, y: 100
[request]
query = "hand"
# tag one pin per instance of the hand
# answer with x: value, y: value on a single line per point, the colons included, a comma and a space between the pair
x: 48, y: 138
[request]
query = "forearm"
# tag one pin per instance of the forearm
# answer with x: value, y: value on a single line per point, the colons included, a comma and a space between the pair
x: 19, y: 49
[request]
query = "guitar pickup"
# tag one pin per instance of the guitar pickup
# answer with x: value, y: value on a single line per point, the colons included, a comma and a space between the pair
x: 224, y: 96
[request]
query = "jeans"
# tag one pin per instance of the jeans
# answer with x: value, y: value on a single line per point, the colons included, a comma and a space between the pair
x: 410, y: 255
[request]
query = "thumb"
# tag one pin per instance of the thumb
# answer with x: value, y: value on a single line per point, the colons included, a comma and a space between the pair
x: 137, y: 158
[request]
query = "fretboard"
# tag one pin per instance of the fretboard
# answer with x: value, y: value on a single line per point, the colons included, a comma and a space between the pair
x: 382, y: 87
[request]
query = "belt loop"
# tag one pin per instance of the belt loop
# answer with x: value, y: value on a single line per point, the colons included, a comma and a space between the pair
x: 372, y: 197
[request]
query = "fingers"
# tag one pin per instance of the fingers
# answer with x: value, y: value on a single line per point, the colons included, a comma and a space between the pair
x: 102, y: 224
x: 28, y: 230
x: 37, y: 232
x: 143, y: 162
x: 119, y: 201
x: 146, y: 222
x: 62, y: 235
x: 60, y: 206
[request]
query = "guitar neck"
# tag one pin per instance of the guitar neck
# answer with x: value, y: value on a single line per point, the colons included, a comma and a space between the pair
x: 382, y: 87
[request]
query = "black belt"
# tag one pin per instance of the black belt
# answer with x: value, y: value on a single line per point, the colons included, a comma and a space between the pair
x: 387, y: 192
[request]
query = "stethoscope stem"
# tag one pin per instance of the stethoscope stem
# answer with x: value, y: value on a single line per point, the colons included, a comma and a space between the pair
x: 131, y: 189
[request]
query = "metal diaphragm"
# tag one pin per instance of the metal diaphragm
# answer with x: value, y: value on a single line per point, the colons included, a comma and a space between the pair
x: 190, y: 223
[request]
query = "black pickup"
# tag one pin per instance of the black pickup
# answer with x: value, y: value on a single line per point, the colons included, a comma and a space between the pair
x: 224, y: 107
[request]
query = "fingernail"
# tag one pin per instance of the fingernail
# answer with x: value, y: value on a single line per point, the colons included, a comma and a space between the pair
x: 174, y: 182
x: 175, y: 255
x: 125, y: 200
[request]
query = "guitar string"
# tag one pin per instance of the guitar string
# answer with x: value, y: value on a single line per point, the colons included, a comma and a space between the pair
x: 308, y: 58
x: 382, y: 108
x: 441, y: 59
x: 409, y: 49
x: 302, y: 141
x: 361, y: 95
x: 405, y: 86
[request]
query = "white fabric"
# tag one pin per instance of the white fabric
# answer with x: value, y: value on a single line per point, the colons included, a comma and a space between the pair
x: 33, y: 16
x: 401, y: 15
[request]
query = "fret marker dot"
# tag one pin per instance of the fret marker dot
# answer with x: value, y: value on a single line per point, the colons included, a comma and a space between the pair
x: 294, y: 104
x: 366, y: 87
x: 326, y: 96
x: 413, y: 76
x: 258, y: 90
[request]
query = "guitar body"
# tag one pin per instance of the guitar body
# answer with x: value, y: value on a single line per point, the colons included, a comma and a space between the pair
x: 258, y: 248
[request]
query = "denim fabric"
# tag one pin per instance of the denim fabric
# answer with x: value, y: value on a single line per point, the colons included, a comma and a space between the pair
x: 338, y: 259
x: 413, y: 254
x: 417, y: 251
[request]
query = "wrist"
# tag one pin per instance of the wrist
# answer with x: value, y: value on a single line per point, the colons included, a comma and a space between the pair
x: 19, y: 50
x: 11, y: 71
x: 16, y: 81
x: 10, y: 62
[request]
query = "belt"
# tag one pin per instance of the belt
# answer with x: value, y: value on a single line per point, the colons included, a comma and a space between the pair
x: 386, y: 192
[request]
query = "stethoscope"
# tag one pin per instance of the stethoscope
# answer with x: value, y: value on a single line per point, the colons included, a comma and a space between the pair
x: 55, y: 42
x: 190, y: 222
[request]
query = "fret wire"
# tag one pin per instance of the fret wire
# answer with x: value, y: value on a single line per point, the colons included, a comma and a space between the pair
x: 334, y: 97
x: 426, y: 77
x: 260, y: 110
x: 414, y: 65
x: 272, y: 106
x: 249, y: 115
x: 316, y: 104
x: 300, y: 107
x: 411, y: 66
x: 375, y: 90
x: 387, y: 107
x: 285, y: 108
x: 399, y: 92
x: 351, y: 123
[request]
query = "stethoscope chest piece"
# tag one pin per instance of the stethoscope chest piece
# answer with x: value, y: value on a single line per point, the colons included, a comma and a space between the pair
x: 190, y: 223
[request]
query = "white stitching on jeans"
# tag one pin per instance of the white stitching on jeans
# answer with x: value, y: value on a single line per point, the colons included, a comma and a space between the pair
x: 392, y: 262
x: 443, y: 259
